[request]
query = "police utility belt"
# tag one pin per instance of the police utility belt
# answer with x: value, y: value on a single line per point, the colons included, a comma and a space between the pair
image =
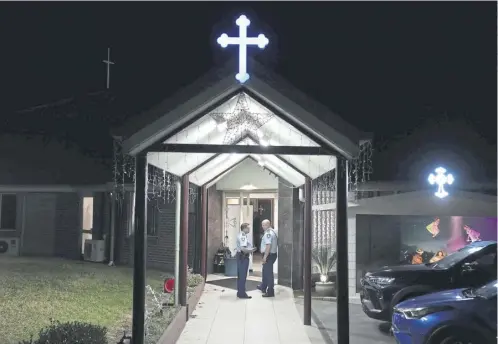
x: 241, y: 255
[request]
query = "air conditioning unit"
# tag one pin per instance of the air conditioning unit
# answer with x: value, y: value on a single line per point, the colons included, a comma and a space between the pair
x: 94, y: 251
x: 9, y: 246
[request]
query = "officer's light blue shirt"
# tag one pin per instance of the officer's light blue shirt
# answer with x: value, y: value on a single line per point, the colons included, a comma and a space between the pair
x: 269, y: 237
x: 242, y: 242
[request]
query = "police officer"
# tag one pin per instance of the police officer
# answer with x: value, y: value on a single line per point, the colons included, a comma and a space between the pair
x: 243, y: 246
x: 269, y: 245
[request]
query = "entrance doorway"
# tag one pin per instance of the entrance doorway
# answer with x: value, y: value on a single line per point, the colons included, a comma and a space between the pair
x: 252, y: 208
x: 87, y: 221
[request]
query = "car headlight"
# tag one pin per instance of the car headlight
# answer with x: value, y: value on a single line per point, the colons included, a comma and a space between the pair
x: 382, y: 281
x: 420, y: 312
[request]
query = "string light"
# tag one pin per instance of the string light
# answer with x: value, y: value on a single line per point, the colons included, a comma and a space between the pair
x: 161, y: 185
x: 241, y: 121
x: 359, y: 171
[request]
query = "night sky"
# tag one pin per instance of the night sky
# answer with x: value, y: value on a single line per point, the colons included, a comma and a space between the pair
x: 420, y: 76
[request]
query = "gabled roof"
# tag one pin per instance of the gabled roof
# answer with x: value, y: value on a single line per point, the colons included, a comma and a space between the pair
x: 35, y: 161
x: 220, y: 85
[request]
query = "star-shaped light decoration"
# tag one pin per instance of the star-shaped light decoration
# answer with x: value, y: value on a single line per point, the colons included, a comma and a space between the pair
x: 241, y: 122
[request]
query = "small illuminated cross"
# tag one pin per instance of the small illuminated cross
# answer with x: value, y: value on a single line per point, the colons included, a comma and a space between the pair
x: 109, y: 63
x: 243, y: 41
x: 441, y: 179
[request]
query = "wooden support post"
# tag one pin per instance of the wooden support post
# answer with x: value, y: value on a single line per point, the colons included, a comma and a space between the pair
x: 140, y: 249
x: 182, y: 292
x: 307, y: 251
x: 341, y: 225
x: 204, y: 208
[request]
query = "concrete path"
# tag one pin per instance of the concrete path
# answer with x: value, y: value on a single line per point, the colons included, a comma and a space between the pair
x: 221, y: 318
x: 362, y: 329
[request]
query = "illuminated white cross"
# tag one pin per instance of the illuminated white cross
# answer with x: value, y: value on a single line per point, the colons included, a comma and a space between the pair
x: 441, y: 179
x: 243, y: 41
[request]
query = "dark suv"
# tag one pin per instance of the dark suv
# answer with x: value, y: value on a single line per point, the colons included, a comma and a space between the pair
x: 471, y: 266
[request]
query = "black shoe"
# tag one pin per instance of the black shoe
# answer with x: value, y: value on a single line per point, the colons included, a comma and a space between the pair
x: 260, y: 288
x: 244, y: 297
x: 268, y: 295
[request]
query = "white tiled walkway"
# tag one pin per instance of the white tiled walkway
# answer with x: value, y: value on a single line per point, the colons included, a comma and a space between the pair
x: 221, y: 318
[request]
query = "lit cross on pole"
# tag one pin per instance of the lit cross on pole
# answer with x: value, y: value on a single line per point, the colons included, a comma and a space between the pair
x: 108, y: 62
x: 440, y: 179
x: 243, y: 41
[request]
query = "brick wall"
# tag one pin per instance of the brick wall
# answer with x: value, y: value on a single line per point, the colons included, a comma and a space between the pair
x: 214, y: 224
x: 38, y: 238
x: 160, y: 247
x: 289, y: 236
x: 68, y: 225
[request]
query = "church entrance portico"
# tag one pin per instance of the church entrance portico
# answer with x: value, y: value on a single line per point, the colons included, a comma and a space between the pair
x: 213, y: 132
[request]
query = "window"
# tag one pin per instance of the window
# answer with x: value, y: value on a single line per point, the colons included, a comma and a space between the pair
x: 8, y: 211
x: 152, y: 217
x: 233, y: 201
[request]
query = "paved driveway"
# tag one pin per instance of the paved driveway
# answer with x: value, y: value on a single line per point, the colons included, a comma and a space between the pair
x: 362, y: 329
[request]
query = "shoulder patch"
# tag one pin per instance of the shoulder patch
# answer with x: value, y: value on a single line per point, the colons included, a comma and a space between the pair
x: 268, y: 235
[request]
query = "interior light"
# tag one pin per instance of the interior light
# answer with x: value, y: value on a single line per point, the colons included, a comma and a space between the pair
x: 248, y: 187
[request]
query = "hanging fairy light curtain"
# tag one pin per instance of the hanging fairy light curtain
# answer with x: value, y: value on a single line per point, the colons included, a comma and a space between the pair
x: 359, y: 171
x: 161, y: 186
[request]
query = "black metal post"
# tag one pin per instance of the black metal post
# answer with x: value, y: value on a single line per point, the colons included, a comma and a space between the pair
x: 182, y: 283
x: 341, y: 225
x: 140, y: 249
x: 307, y: 251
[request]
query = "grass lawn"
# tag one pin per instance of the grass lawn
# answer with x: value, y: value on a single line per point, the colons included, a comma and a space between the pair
x: 33, y: 290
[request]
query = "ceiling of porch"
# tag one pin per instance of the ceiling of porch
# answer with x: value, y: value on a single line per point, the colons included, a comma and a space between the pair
x: 241, y: 121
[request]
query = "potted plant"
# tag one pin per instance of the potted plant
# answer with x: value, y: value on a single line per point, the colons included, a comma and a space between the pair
x: 324, y: 258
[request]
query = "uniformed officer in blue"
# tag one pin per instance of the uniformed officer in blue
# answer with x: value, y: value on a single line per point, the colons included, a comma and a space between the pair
x: 269, y: 246
x: 244, y: 249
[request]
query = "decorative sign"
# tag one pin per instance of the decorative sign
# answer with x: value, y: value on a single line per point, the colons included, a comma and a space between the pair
x: 243, y: 41
x: 169, y: 285
x: 441, y: 179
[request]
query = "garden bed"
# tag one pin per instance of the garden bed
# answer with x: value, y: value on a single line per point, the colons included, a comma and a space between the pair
x: 177, y: 324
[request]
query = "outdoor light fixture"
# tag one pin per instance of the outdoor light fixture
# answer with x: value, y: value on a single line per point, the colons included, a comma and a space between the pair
x: 441, y: 179
x: 248, y: 187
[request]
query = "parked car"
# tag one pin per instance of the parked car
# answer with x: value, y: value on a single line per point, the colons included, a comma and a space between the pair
x: 448, y: 317
x: 471, y: 266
